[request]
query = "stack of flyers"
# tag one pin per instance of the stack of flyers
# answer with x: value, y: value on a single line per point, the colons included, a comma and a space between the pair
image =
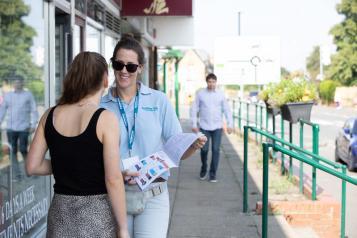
x: 151, y: 167
x: 154, y: 165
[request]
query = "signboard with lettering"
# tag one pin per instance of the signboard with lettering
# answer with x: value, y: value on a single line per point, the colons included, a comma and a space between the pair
x: 21, y: 214
x: 156, y: 8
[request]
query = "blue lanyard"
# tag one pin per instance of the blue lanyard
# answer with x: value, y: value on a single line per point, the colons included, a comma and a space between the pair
x: 131, y: 134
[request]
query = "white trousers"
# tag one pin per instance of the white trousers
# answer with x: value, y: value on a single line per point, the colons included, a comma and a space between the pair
x: 154, y: 221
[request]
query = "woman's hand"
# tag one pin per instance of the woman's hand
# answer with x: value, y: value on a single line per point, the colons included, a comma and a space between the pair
x: 129, y: 177
x: 200, y: 142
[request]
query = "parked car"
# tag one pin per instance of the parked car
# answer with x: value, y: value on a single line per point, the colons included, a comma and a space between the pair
x: 253, y: 96
x: 346, y: 144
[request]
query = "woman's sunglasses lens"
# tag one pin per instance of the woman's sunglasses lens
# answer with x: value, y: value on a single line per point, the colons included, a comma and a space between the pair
x: 131, y: 68
x: 118, y: 65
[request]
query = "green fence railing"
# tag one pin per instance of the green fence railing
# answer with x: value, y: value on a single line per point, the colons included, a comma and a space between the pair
x: 241, y: 112
x: 302, y: 155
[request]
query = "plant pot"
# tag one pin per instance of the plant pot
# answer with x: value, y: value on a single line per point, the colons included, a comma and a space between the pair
x: 293, y: 111
x: 272, y: 110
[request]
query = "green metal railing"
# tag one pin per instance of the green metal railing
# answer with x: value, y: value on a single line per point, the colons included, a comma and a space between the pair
x: 315, y: 150
x: 302, y: 155
x: 238, y: 114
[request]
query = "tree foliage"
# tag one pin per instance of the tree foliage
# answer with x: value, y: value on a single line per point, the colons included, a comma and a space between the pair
x: 343, y: 66
x: 313, y: 63
x: 15, y: 42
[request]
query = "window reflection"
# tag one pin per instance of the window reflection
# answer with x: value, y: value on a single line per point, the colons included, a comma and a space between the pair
x: 21, y: 103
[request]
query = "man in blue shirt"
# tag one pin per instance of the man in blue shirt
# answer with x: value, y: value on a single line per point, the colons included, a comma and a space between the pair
x: 209, y: 105
x: 21, y: 120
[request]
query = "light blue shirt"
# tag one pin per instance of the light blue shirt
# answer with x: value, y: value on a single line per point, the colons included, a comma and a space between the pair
x: 209, y: 106
x: 156, y: 122
x: 21, y: 110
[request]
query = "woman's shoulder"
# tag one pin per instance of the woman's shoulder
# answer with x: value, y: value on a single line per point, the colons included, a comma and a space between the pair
x: 145, y: 90
x: 107, y: 97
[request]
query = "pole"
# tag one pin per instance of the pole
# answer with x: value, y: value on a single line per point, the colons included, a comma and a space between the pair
x: 177, y: 90
x: 165, y: 76
x: 238, y: 23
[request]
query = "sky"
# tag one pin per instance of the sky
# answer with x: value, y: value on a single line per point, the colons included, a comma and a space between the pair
x: 300, y: 24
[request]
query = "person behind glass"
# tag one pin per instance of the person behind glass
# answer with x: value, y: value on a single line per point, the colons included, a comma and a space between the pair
x: 89, y: 195
x: 147, y: 121
x: 209, y: 105
x: 22, y: 118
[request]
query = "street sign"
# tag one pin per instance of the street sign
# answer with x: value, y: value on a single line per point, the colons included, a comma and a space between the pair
x: 247, y: 60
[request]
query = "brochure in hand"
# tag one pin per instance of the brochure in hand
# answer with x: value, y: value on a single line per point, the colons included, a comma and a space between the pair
x: 152, y: 166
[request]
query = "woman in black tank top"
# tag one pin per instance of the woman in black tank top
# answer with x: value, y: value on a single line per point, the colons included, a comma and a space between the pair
x: 82, y: 140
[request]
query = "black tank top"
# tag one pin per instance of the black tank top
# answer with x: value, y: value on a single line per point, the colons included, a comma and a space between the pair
x: 77, y: 162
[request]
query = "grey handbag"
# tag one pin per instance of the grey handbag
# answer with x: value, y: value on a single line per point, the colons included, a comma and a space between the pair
x: 135, y: 201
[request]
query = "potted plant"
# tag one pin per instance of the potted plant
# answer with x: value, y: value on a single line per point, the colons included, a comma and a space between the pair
x: 295, y: 98
x: 265, y: 95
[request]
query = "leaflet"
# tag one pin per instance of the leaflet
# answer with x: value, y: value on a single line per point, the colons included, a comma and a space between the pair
x: 154, y: 165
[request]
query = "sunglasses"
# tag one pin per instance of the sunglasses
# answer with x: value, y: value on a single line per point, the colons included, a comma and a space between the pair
x: 119, y: 66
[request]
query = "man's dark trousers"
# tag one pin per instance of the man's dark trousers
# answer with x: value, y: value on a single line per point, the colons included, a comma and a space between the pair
x: 215, y: 136
x: 15, y: 138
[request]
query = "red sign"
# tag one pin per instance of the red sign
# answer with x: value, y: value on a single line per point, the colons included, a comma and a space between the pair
x: 156, y: 8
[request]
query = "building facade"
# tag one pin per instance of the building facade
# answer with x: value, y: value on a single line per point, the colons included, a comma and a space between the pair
x: 38, y: 41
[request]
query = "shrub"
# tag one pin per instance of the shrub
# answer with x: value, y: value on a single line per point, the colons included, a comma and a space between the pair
x: 327, y: 90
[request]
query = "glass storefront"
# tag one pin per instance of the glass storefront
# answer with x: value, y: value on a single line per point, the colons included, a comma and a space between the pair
x: 38, y: 41
x: 24, y: 200
x: 93, y: 39
x: 110, y: 43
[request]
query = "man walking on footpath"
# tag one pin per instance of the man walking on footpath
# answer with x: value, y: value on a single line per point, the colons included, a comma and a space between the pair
x: 22, y: 118
x: 209, y: 105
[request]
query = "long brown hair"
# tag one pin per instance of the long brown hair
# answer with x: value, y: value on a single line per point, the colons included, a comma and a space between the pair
x: 84, y: 77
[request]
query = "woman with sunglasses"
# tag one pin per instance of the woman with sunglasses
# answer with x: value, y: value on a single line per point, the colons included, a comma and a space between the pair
x: 89, y: 198
x: 147, y: 120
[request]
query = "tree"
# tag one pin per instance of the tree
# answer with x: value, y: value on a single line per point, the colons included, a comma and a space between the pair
x: 313, y: 63
x: 343, y: 66
x: 15, y: 42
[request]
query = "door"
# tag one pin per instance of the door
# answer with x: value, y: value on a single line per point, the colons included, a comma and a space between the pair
x: 63, y: 48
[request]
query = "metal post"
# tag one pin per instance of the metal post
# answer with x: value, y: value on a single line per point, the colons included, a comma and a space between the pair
x: 165, y: 75
x: 266, y: 120
x: 301, y: 171
x: 240, y: 115
x: 261, y: 121
x: 343, y: 204
x: 245, y: 170
x: 256, y: 122
x: 247, y: 114
x: 274, y: 132
x: 177, y: 90
x: 315, y: 150
x: 291, y: 141
x: 238, y: 23
x: 265, y: 190
x: 282, y: 170
x: 234, y: 115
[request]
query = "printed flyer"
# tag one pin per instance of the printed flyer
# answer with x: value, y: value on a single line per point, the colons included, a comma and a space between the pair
x: 152, y: 166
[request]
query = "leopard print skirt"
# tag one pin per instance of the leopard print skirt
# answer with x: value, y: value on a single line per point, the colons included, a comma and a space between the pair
x: 80, y: 216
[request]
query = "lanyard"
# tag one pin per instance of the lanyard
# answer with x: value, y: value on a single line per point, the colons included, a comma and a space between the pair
x: 131, y: 133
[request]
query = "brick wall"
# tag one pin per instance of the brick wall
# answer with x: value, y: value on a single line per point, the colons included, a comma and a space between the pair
x: 323, y: 215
